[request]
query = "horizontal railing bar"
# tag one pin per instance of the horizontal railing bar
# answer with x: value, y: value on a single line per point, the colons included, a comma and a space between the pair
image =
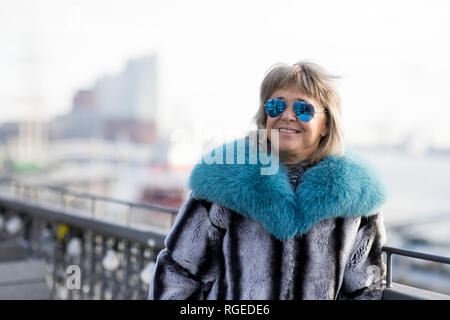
x: 102, y: 227
x: 65, y: 191
x: 108, y: 199
x: 403, y: 292
x: 415, y: 254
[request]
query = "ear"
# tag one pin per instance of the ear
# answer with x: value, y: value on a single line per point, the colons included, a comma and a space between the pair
x: 325, y: 129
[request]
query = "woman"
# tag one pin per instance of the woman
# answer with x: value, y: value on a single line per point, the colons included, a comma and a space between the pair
x: 312, y: 229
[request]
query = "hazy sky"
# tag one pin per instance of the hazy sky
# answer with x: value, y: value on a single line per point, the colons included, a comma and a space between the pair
x: 393, y: 57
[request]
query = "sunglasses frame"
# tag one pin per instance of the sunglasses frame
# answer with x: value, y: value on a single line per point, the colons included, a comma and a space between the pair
x: 280, y: 108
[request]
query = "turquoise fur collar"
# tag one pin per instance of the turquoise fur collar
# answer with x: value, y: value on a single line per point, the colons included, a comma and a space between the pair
x: 345, y: 186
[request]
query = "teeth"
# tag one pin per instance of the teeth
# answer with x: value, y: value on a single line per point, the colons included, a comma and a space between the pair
x: 286, y: 130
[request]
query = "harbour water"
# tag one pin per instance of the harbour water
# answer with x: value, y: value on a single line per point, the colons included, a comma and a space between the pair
x: 417, y: 213
x: 419, y: 187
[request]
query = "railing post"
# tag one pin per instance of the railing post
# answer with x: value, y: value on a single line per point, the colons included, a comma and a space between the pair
x: 17, y: 190
x: 103, y: 274
x: 12, y: 189
x: 127, y: 270
x: 93, y: 207
x: 130, y: 208
x: 389, y: 268
x: 62, y: 200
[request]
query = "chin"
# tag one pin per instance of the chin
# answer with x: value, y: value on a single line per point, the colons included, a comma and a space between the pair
x: 289, y: 147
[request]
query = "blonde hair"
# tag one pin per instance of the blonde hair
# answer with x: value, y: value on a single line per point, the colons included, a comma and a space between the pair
x: 313, y: 81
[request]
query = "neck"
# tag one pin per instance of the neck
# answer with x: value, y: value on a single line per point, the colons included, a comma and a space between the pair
x: 292, y: 165
x: 291, y: 160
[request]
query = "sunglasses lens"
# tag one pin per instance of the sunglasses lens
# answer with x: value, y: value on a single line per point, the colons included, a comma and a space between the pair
x: 275, y: 107
x: 304, y: 111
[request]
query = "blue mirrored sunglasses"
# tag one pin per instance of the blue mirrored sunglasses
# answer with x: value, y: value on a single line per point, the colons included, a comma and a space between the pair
x: 303, y: 110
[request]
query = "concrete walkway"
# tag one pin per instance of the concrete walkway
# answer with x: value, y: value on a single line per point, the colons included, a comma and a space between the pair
x: 23, y: 280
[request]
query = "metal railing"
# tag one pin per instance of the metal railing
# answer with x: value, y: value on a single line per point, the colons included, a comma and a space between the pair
x: 396, y: 291
x: 115, y: 260
x: 49, y: 232
x: 408, y: 253
x: 32, y: 191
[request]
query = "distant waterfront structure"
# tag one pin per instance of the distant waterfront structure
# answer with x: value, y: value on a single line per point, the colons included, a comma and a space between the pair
x: 132, y: 94
x: 83, y: 121
x: 118, y: 107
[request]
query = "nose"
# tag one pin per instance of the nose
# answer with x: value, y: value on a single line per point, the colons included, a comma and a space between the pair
x: 289, y: 114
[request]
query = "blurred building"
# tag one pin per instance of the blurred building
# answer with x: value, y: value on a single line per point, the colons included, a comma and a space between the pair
x: 132, y: 94
x: 83, y: 121
x: 84, y: 100
x: 23, y: 143
x: 8, y: 130
x: 130, y: 130
x: 117, y: 107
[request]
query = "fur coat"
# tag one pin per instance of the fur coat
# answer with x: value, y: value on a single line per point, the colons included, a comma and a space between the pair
x: 242, y: 235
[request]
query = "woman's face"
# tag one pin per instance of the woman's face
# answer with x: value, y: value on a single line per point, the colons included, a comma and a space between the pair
x: 298, y: 145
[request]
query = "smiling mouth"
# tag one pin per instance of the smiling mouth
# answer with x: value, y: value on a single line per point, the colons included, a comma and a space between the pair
x: 287, y: 131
